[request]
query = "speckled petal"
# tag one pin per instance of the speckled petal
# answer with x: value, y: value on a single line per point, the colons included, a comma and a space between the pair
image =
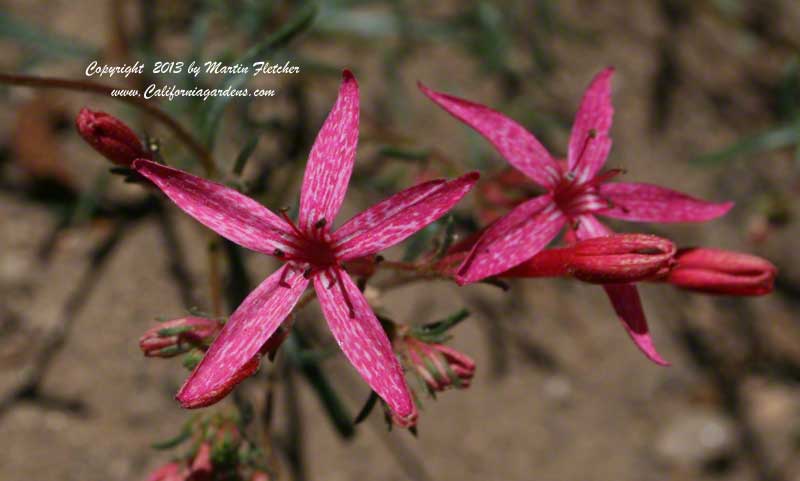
x: 519, y: 147
x: 364, y: 342
x: 230, y: 214
x: 589, y: 143
x: 651, y: 203
x: 253, y: 322
x: 400, y: 216
x: 513, y: 239
x: 331, y: 160
x: 624, y: 298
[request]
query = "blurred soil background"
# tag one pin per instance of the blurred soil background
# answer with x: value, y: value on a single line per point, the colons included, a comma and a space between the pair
x: 87, y: 262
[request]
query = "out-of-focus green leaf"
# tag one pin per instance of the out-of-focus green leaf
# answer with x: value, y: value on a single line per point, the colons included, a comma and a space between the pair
x: 45, y: 43
x: 372, y: 400
x: 312, y: 372
x: 419, y: 242
x: 296, y: 25
x: 244, y: 155
x: 763, y: 142
x: 404, y: 153
x: 184, y: 435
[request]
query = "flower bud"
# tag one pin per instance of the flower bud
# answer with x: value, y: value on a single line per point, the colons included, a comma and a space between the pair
x: 202, y: 468
x: 439, y: 366
x: 172, y: 471
x: 177, y: 336
x: 614, y: 259
x: 111, y: 137
x: 259, y: 476
x: 621, y: 258
x: 718, y: 271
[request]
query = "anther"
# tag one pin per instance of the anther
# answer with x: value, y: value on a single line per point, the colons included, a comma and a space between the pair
x: 321, y: 223
x: 278, y: 253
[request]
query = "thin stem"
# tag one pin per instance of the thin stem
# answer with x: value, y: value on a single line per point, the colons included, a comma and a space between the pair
x: 214, y: 284
x: 145, y: 105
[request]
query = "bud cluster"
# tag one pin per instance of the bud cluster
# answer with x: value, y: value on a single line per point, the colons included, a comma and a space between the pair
x: 218, y: 450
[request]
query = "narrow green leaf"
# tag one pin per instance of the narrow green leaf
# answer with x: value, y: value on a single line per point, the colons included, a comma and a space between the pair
x: 174, y: 331
x: 44, y: 42
x: 297, y: 24
x: 311, y: 371
x: 404, y: 153
x: 763, y: 142
x: 244, y: 155
x: 372, y: 400
x: 185, y: 434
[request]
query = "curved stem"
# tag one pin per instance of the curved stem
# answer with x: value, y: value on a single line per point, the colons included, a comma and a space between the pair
x: 146, y: 106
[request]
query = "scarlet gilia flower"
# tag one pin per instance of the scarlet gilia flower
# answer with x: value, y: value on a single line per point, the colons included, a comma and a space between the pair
x: 614, y: 259
x: 576, y: 191
x: 718, y: 271
x: 440, y: 367
x: 177, y: 336
x: 312, y: 251
x: 111, y: 137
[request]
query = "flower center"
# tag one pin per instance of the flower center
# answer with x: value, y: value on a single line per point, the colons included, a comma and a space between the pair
x: 311, y: 250
x: 575, y: 198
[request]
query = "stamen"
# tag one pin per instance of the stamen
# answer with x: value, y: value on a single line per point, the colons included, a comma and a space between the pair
x: 605, y: 176
x: 282, y: 281
x: 307, y: 273
x: 347, y: 300
x: 318, y: 228
x: 278, y: 253
x: 591, y: 135
x: 284, y: 213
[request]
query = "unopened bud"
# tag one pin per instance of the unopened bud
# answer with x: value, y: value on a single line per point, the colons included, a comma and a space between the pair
x: 259, y: 476
x: 621, y: 258
x: 439, y: 366
x: 202, y: 468
x: 614, y: 259
x: 111, y: 137
x: 718, y: 271
x: 177, y: 336
x: 172, y: 471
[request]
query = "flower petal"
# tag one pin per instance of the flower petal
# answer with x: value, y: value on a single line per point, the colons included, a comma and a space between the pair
x: 363, y: 340
x: 652, y: 203
x: 628, y: 306
x: 624, y: 297
x: 401, y: 215
x: 589, y: 143
x: 331, y: 160
x: 519, y: 147
x: 250, y: 326
x: 230, y: 214
x: 512, y: 239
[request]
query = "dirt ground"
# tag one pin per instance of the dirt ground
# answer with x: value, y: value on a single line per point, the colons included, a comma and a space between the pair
x: 560, y: 392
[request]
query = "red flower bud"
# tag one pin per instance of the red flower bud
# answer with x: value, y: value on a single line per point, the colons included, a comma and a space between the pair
x: 439, y: 366
x: 172, y: 471
x: 177, y: 336
x: 717, y: 271
x: 202, y: 469
x: 259, y: 476
x: 614, y: 259
x: 111, y: 137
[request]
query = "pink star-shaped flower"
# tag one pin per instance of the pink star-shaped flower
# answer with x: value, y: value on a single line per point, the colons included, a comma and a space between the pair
x: 576, y: 192
x: 312, y: 252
